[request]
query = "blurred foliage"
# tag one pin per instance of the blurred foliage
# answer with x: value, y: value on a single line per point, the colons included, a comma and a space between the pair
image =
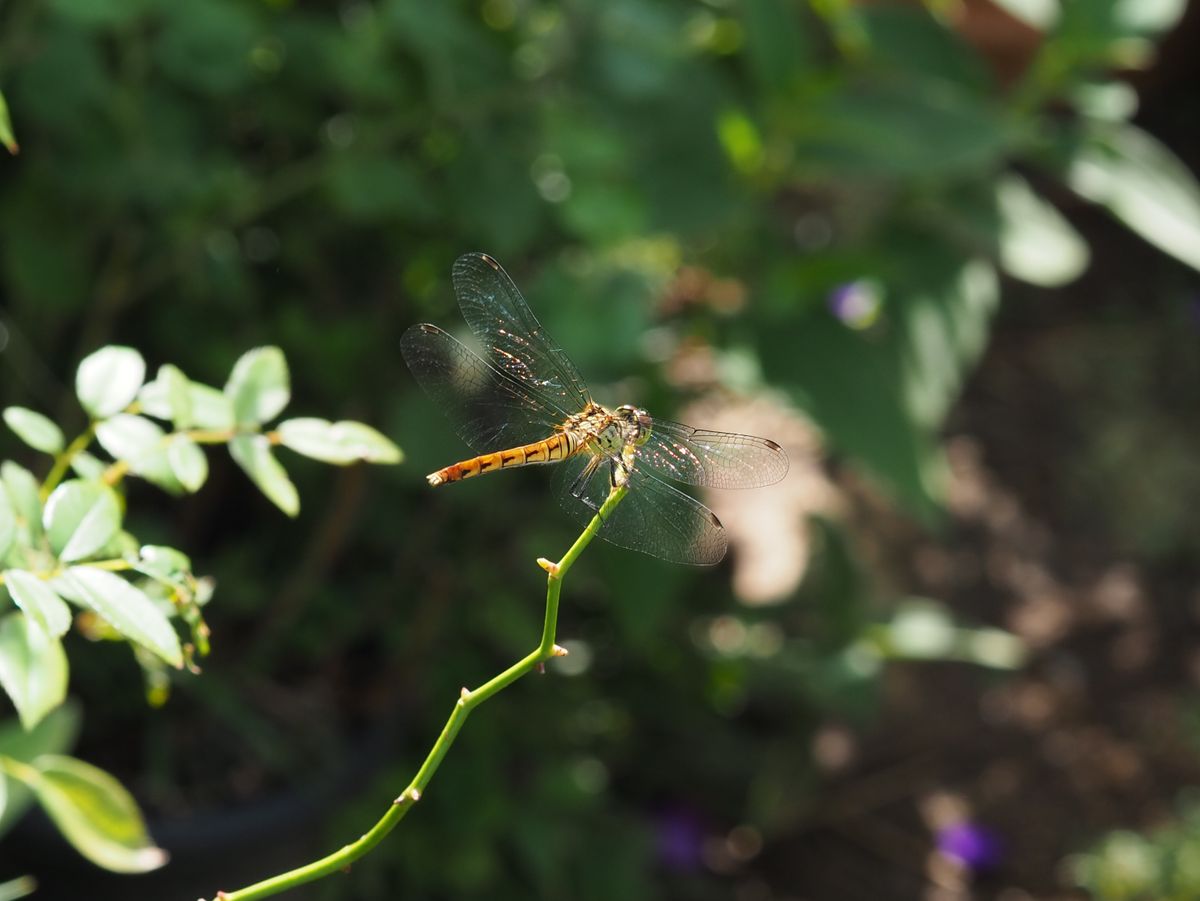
x: 197, y: 178
x: 1163, y: 864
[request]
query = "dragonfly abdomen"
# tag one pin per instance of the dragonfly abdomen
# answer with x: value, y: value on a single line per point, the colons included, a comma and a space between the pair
x: 552, y: 449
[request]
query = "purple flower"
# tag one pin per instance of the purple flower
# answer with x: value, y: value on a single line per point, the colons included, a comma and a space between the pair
x: 680, y: 839
x: 857, y: 304
x: 973, y: 845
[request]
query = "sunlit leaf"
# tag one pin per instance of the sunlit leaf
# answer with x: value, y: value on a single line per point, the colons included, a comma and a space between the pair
x: 168, y: 397
x: 253, y: 454
x: 39, y: 602
x: 123, y: 606
x: 164, y: 563
x: 87, y: 466
x: 34, y: 429
x: 108, y: 380
x: 1037, y: 244
x: 23, y: 492
x: 1144, y: 185
x: 259, y: 386
x: 340, y: 442
x: 1040, y: 14
x: 1111, y: 101
x: 7, y: 138
x: 80, y: 518
x: 188, y: 462
x: 94, y: 812
x: 17, y: 888
x: 1149, y: 16
x: 8, y: 522
x: 210, y: 408
x: 33, y: 668
x: 142, y: 444
x: 53, y: 735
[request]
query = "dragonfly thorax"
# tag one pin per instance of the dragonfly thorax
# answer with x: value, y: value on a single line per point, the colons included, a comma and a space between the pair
x: 610, y: 431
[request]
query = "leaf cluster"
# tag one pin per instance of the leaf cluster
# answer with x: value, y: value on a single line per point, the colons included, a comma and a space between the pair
x: 64, y: 544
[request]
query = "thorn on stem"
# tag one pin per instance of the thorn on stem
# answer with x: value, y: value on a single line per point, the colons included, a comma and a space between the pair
x: 465, y: 694
x: 409, y: 794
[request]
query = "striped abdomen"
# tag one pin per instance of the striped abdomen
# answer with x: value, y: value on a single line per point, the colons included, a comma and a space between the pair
x: 557, y: 447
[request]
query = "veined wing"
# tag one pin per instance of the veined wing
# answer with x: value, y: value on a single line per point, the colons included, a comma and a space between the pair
x: 711, y: 459
x: 653, y: 517
x: 513, y: 340
x: 489, y: 408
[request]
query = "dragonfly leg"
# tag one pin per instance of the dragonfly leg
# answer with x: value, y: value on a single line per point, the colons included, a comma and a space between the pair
x: 618, y: 472
x: 580, y: 483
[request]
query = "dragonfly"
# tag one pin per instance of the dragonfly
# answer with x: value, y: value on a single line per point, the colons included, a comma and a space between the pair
x: 523, y: 403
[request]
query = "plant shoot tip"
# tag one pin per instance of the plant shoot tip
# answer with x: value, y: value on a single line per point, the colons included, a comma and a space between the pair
x: 559, y: 651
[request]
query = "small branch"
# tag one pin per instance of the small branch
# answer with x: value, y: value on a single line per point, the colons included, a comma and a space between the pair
x: 121, y: 468
x: 63, y: 461
x: 468, y: 700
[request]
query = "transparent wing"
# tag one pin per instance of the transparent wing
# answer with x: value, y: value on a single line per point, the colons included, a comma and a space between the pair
x: 513, y: 340
x: 489, y: 408
x: 653, y: 517
x: 712, y: 459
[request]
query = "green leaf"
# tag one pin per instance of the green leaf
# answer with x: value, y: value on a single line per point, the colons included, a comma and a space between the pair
x: 210, y: 409
x: 1144, y: 185
x: 34, y: 429
x: 38, y: 601
x: 54, y: 734
x: 94, y: 812
x: 163, y: 563
x: 124, y: 607
x: 108, y: 380
x: 17, y: 888
x: 1040, y: 14
x: 253, y: 454
x: 881, y: 394
x: 903, y: 128
x: 87, y: 466
x: 80, y: 518
x: 7, y: 138
x: 23, y: 492
x: 168, y: 397
x: 1037, y: 244
x: 188, y: 462
x: 259, y: 386
x: 33, y: 668
x: 8, y: 522
x: 340, y: 442
x: 142, y: 444
x: 1150, y: 17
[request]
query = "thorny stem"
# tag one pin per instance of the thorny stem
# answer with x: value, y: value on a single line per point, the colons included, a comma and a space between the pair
x: 468, y: 700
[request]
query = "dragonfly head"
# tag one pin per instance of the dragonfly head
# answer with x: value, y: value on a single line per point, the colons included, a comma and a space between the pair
x: 639, y: 422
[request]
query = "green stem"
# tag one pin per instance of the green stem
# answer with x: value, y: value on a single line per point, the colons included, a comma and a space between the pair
x: 118, y: 470
x: 63, y: 461
x: 468, y: 700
